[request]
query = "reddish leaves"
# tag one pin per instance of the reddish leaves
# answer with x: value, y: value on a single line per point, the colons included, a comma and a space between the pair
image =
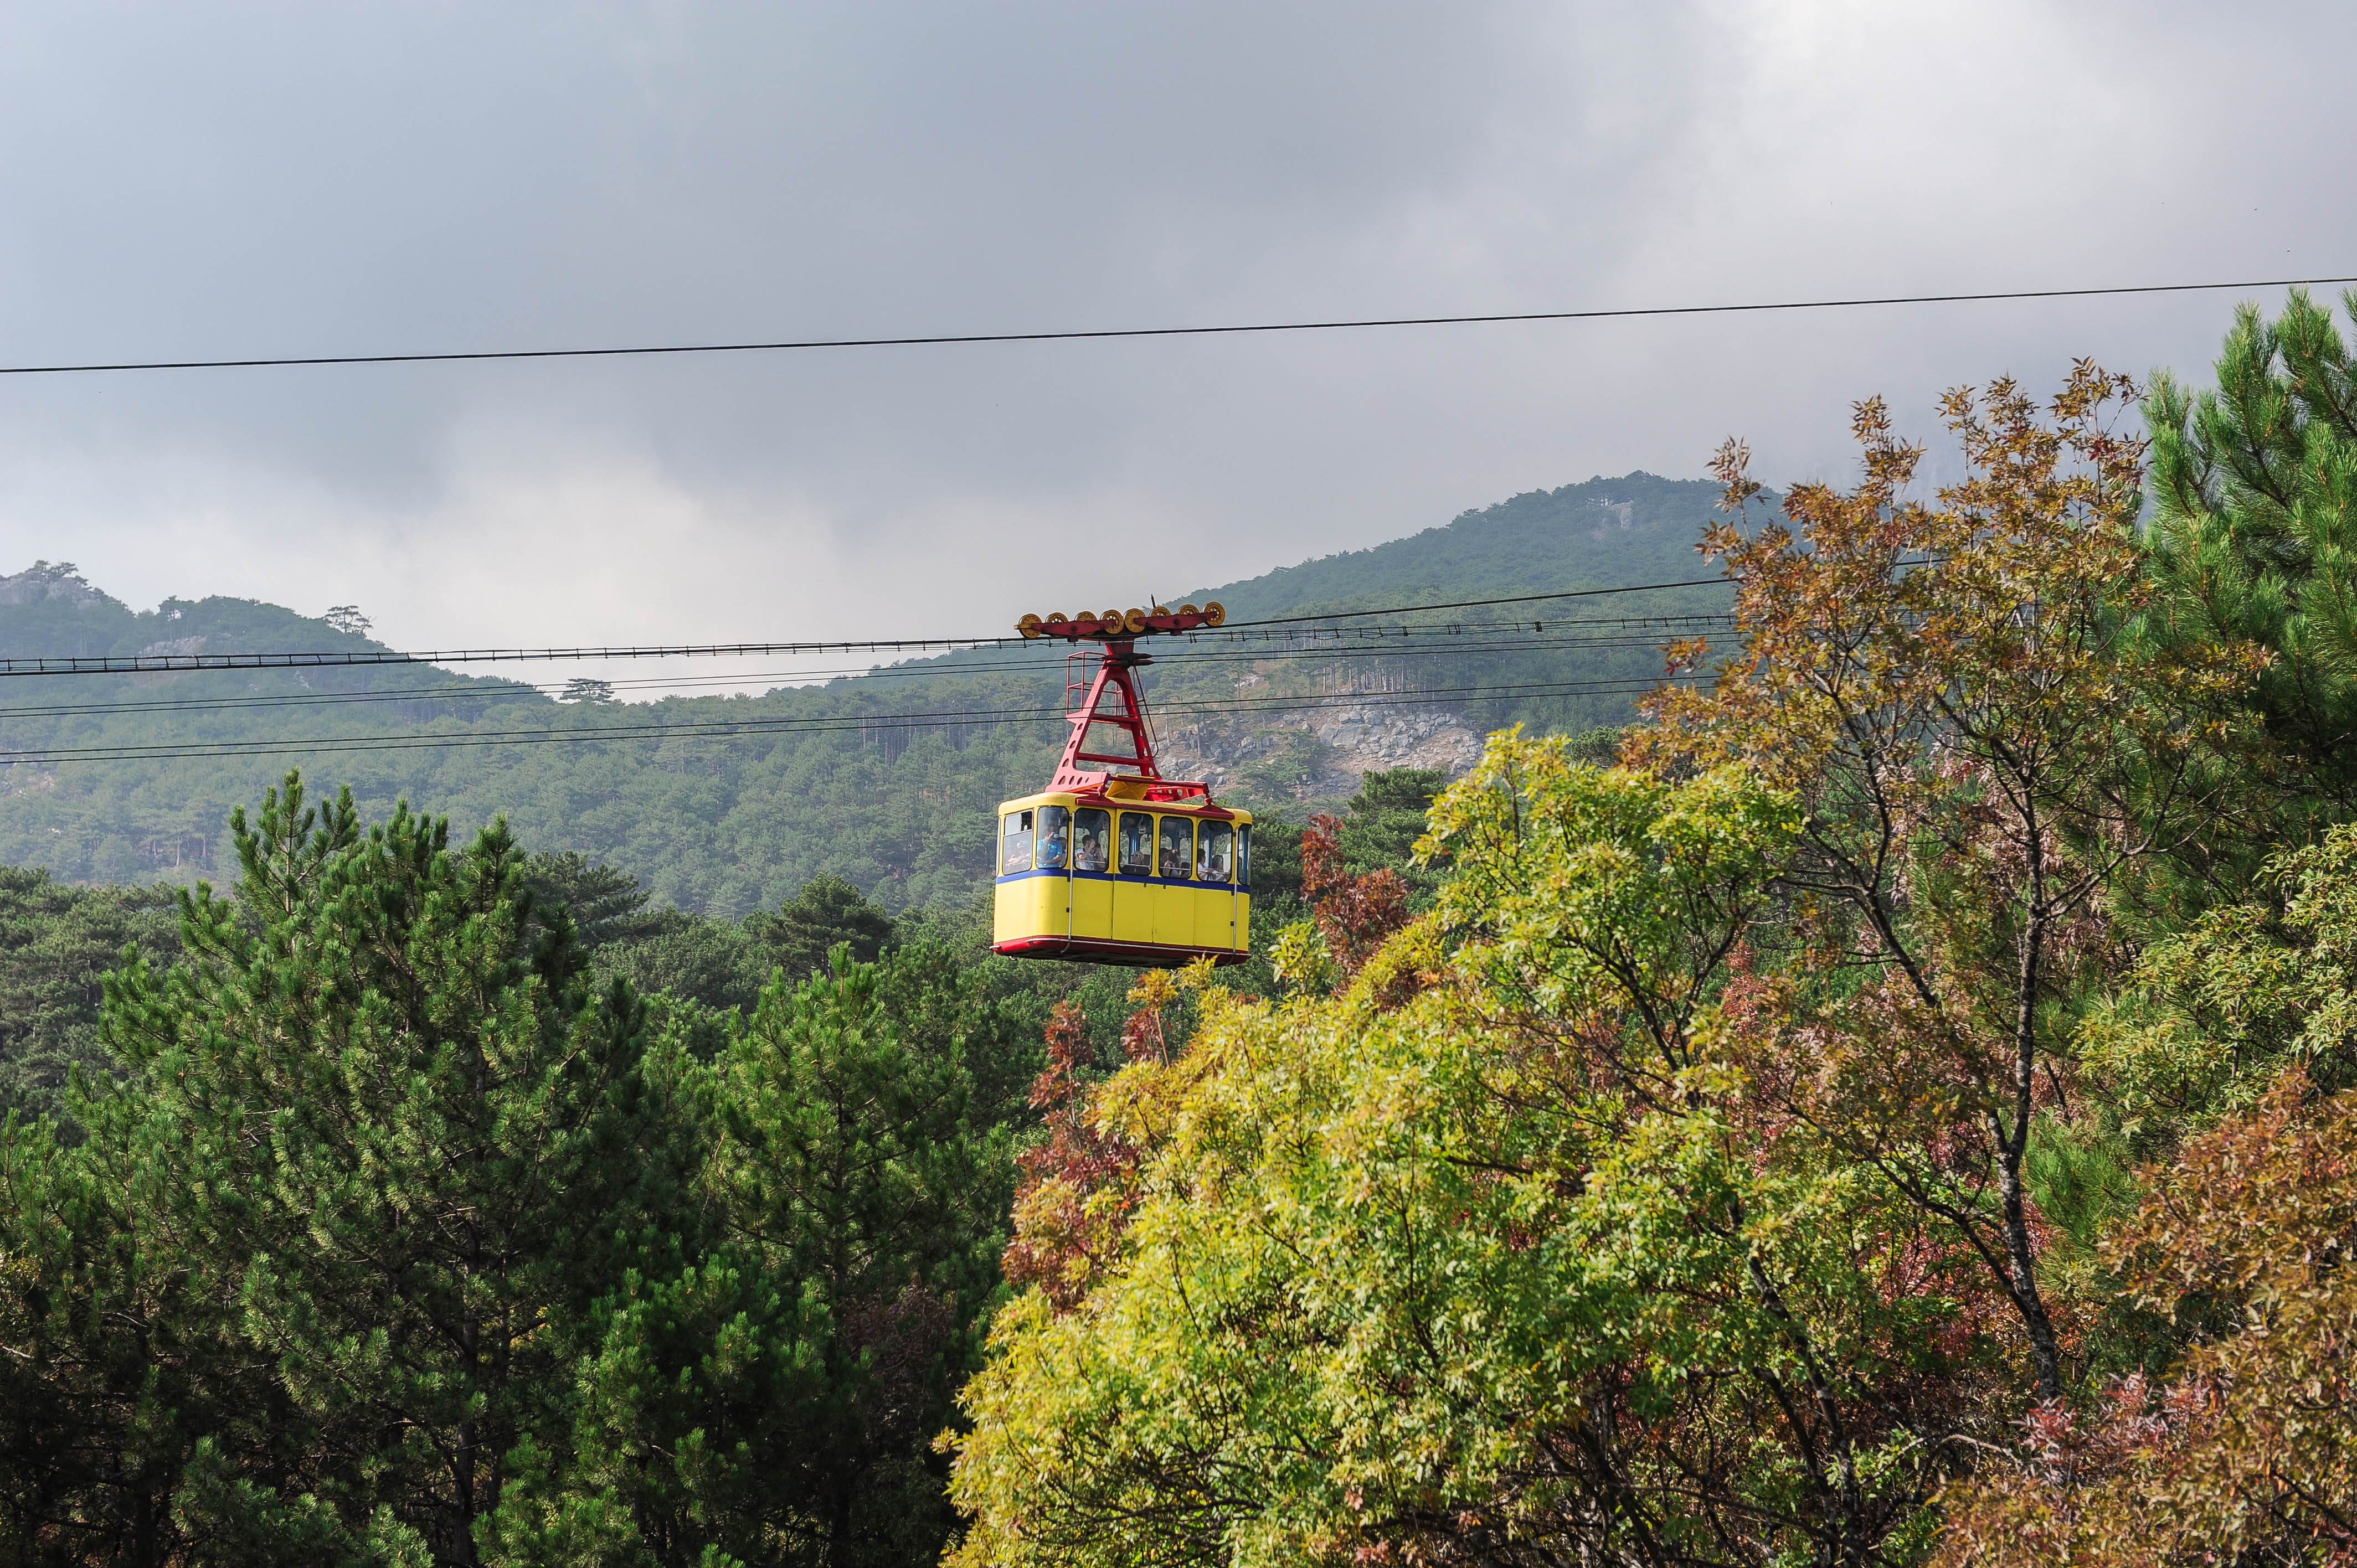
x: 2250, y: 1452
x: 1356, y: 914
x: 1068, y: 1212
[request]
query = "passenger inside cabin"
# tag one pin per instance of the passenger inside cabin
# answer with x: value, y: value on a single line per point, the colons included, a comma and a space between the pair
x: 1211, y: 853
x: 1055, y: 821
x: 1178, y: 847
x: 1093, y: 849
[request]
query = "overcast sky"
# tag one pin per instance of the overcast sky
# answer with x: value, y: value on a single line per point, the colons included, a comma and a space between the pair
x: 198, y: 181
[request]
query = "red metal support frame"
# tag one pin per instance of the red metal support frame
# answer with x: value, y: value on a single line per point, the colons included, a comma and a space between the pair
x: 1116, y: 632
x: 1121, y: 657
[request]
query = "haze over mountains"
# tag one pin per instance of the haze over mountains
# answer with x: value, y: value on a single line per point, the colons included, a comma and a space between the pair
x: 888, y: 779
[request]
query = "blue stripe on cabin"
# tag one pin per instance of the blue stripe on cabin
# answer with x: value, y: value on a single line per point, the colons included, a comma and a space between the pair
x: 1134, y: 880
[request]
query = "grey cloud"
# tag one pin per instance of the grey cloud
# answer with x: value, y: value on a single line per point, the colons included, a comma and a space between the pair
x: 298, y: 179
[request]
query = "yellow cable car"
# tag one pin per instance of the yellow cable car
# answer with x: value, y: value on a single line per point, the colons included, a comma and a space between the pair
x: 1113, y: 863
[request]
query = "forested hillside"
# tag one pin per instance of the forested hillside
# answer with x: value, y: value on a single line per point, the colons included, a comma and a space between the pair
x: 737, y: 821
x: 1639, y: 528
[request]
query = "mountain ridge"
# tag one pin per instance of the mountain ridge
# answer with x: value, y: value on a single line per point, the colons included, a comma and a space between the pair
x: 775, y: 788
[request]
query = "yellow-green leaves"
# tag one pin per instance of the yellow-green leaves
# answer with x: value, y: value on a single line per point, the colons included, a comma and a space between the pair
x: 1469, y: 1254
x: 1583, y: 892
x: 1301, y: 959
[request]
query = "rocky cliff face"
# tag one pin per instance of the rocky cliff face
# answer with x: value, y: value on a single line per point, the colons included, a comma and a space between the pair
x: 1320, y: 755
x: 1374, y: 735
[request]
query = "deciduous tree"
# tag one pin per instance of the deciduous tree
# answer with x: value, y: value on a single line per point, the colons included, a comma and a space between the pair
x: 2247, y: 1453
x: 1499, y: 1265
x: 1980, y: 746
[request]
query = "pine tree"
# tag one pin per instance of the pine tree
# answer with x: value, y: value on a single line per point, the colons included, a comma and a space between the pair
x: 807, y: 926
x: 398, y: 1240
x: 56, y: 940
x: 1384, y: 819
x: 118, y: 1381
x: 772, y: 1394
x: 2253, y: 540
x: 605, y: 903
x: 397, y: 1147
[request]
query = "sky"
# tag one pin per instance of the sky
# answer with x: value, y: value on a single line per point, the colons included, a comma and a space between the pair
x: 213, y: 181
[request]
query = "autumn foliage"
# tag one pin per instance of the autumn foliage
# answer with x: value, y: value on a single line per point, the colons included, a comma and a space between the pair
x: 1356, y: 914
x: 2250, y: 1444
x: 1894, y: 1115
x: 1072, y: 1204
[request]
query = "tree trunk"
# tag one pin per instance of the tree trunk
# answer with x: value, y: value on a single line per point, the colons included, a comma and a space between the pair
x: 2013, y: 1147
x: 462, y: 1474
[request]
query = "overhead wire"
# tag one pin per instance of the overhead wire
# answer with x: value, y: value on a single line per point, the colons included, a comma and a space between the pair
x: 1472, y: 604
x: 1474, y: 639
x: 782, y: 724
x: 1307, y: 623
x: 1295, y: 636
x: 259, y: 361
x: 178, y: 663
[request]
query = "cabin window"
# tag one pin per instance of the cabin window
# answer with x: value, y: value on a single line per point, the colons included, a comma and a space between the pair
x: 1137, y: 844
x: 1055, y: 824
x: 1178, y: 846
x: 1244, y: 856
x: 1015, y: 851
x: 1092, y: 841
x: 1214, y: 847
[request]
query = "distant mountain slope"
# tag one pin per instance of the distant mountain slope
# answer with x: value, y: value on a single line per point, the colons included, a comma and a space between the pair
x: 1639, y: 528
x: 727, y: 823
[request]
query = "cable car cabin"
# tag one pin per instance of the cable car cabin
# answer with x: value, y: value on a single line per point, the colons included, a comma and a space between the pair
x: 1116, y: 877
x: 1113, y: 863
